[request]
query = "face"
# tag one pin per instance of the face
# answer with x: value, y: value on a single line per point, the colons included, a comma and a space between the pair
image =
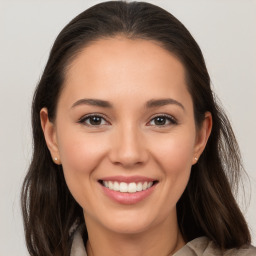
x: 125, y: 134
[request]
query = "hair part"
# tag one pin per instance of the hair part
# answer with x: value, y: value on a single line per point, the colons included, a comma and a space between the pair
x: 207, y: 206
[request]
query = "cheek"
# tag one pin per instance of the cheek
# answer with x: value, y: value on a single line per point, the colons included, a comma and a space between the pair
x: 80, y: 152
x: 175, y: 158
x: 174, y: 155
x: 80, y: 155
x: 175, y: 152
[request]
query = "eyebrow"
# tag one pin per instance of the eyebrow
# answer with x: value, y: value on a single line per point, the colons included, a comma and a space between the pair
x: 149, y: 104
x: 163, y: 102
x: 93, y: 102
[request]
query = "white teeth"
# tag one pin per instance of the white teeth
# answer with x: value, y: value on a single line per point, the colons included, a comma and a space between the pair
x: 123, y: 187
x: 127, y: 187
x: 111, y: 185
x: 145, y: 186
x: 139, y: 187
x: 132, y: 187
x: 150, y: 184
x: 105, y: 183
x: 116, y: 186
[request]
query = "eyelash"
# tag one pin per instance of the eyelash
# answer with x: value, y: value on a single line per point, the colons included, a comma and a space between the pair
x: 170, y: 119
x: 87, y: 117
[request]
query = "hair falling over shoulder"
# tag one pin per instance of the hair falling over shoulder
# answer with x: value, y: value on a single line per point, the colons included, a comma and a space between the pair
x: 206, y: 208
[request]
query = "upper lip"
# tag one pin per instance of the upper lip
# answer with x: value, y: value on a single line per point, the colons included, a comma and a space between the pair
x: 127, y: 179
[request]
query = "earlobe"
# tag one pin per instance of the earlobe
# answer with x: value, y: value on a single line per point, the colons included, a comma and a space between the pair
x: 50, y: 135
x: 203, y: 135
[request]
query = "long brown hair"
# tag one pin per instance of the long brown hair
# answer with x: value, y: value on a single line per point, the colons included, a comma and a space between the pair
x: 207, y: 206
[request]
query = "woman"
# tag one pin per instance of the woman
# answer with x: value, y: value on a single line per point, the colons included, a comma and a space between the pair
x: 132, y: 154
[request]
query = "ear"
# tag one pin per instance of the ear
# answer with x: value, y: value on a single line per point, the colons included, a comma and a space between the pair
x: 49, y: 131
x: 203, y: 134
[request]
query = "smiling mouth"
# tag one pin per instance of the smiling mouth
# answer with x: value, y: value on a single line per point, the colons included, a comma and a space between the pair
x: 124, y: 187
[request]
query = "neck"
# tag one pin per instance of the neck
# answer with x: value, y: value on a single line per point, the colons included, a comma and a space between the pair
x: 162, y: 239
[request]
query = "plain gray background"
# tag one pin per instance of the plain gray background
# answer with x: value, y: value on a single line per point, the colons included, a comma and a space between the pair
x: 225, y: 31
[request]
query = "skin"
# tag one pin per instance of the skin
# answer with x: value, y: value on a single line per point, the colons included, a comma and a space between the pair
x: 127, y: 73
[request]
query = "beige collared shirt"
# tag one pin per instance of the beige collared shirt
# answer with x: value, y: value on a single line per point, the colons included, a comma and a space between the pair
x: 201, y: 246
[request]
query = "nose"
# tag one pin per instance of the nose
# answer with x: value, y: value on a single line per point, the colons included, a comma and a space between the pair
x: 128, y: 148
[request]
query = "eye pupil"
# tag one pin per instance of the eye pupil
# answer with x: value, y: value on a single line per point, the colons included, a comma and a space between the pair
x: 160, y: 120
x: 95, y: 120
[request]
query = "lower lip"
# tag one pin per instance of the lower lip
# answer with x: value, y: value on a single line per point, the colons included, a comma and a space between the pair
x: 126, y: 197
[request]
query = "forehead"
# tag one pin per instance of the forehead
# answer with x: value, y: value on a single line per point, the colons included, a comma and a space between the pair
x: 120, y: 66
x: 122, y: 53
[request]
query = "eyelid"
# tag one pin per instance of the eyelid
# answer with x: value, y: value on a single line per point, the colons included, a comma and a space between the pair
x: 172, y: 119
x: 83, y: 118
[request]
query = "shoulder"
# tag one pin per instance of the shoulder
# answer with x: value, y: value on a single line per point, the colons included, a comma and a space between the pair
x: 78, y: 246
x: 202, y: 246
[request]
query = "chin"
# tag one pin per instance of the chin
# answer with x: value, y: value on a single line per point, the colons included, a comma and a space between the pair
x: 129, y: 229
x: 131, y: 222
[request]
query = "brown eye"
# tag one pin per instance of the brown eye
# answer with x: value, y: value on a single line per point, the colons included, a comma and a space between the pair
x: 93, y: 120
x: 162, y: 120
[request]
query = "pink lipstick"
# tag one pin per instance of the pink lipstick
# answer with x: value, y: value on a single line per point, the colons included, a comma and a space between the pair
x: 128, y: 190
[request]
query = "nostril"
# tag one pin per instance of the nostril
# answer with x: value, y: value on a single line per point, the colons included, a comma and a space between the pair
x: 128, y: 154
